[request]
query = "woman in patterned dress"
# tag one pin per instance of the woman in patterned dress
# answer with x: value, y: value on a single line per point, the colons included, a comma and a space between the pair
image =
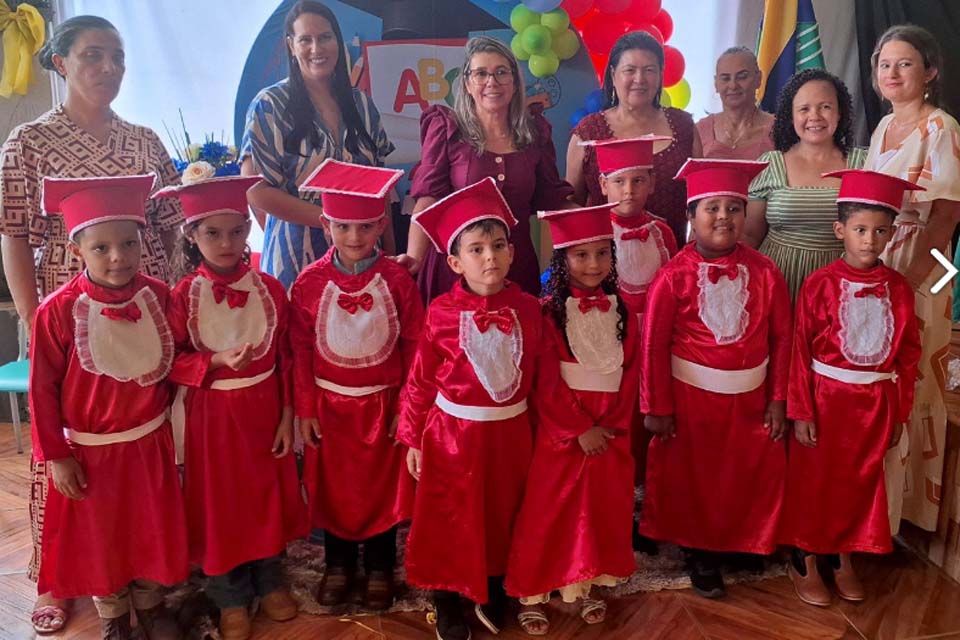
x: 81, y: 138
x: 295, y: 124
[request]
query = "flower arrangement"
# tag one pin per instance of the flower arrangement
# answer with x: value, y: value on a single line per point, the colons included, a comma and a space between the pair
x: 199, y: 161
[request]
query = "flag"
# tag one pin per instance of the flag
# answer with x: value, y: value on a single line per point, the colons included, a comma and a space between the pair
x: 789, y: 41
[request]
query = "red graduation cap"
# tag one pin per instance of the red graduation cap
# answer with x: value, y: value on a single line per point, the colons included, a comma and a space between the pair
x: 716, y: 178
x: 84, y: 202
x: 210, y: 197
x: 446, y: 218
x: 351, y: 192
x: 623, y: 154
x: 870, y: 187
x: 570, y: 227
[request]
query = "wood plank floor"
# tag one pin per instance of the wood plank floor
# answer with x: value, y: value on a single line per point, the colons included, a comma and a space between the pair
x: 908, y: 600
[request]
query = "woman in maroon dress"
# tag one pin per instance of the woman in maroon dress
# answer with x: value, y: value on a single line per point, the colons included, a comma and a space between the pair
x: 489, y: 133
x: 632, y: 84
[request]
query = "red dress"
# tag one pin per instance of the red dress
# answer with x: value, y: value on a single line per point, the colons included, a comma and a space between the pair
x: 528, y: 180
x: 855, y: 320
x: 479, y: 356
x: 98, y: 359
x: 354, y: 336
x: 242, y: 503
x: 717, y: 485
x: 669, y: 197
x: 572, y: 526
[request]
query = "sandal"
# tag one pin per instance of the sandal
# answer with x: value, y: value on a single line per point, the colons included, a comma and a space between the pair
x: 534, y: 622
x: 48, y: 619
x: 593, y: 611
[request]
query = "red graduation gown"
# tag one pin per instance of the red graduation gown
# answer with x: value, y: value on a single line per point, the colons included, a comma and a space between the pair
x: 572, y: 526
x: 95, y: 374
x: 356, y: 479
x: 717, y: 485
x: 836, y: 501
x: 242, y: 503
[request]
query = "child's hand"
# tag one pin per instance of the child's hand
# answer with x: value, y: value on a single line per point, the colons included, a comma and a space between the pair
x: 805, y: 432
x: 406, y: 261
x: 594, y: 440
x: 69, y: 478
x: 896, y: 435
x: 236, y: 358
x: 310, y: 432
x: 414, y: 462
x: 663, y: 426
x: 775, y: 419
x: 392, y: 431
x: 283, y: 440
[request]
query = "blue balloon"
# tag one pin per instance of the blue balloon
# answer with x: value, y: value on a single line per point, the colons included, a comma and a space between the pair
x: 594, y: 101
x: 542, y: 6
x: 577, y: 116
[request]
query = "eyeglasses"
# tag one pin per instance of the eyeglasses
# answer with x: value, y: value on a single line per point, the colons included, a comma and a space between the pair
x: 479, y: 77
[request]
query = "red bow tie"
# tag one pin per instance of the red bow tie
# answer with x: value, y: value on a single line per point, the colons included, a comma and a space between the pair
x: 235, y: 297
x: 130, y: 312
x: 716, y: 271
x: 598, y: 301
x: 640, y: 234
x: 877, y: 291
x: 501, y: 317
x: 351, y: 303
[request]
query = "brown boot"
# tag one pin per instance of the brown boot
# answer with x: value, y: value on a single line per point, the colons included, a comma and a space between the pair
x: 115, y: 628
x: 378, y: 595
x: 334, y: 586
x: 235, y: 623
x: 279, y: 605
x: 848, y: 584
x: 809, y: 585
x: 158, y: 624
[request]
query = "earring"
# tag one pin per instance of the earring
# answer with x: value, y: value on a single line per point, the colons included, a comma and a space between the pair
x: 926, y: 92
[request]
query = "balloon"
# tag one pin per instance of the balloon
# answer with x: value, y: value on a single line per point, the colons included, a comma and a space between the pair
x: 542, y: 66
x: 665, y: 100
x: 673, y: 66
x: 576, y: 8
x: 649, y: 28
x: 566, y: 45
x: 594, y: 101
x: 521, y: 18
x: 679, y: 94
x: 644, y: 10
x: 601, y: 33
x: 516, y: 45
x: 664, y: 22
x: 599, y: 62
x: 557, y: 21
x: 577, y: 116
x: 536, y: 39
x: 541, y: 6
x: 611, y: 7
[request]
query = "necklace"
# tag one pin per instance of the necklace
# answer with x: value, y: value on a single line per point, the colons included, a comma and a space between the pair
x: 745, y: 128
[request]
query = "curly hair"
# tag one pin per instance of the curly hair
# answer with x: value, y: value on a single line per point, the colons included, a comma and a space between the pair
x: 555, y: 304
x: 187, y: 257
x: 783, y: 133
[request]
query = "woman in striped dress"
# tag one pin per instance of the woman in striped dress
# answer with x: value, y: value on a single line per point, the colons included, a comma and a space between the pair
x: 792, y: 208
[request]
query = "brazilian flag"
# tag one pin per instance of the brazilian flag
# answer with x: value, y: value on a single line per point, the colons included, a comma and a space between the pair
x: 789, y: 42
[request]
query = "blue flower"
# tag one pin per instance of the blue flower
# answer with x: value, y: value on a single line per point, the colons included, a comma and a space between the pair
x: 229, y: 169
x: 179, y: 165
x: 213, y: 152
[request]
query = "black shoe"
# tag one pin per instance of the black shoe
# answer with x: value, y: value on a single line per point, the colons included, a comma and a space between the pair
x: 748, y: 562
x: 643, y: 544
x: 705, y: 575
x: 451, y: 623
x: 493, y: 613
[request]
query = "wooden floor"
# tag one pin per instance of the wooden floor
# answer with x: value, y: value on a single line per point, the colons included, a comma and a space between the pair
x: 908, y: 599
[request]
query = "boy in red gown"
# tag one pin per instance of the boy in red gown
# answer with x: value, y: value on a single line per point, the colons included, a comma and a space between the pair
x: 356, y: 318
x: 716, y: 353
x: 99, y: 356
x: 855, y: 353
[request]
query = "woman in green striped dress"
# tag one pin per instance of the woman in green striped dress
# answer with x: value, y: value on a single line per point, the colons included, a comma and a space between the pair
x: 792, y: 208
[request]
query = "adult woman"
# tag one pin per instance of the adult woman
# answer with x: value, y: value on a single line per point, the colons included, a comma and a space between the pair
x: 792, y: 208
x: 80, y: 138
x: 741, y: 131
x: 632, y: 84
x: 295, y: 124
x: 492, y: 133
x: 919, y: 142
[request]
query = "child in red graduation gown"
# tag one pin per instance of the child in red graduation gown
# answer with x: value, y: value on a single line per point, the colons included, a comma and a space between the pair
x: 356, y: 320
x: 716, y: 351
x: 855, y: 353
x: 465, y: 414
x: 571, y: 533
x: 99, y: 356
x: 233, y: 419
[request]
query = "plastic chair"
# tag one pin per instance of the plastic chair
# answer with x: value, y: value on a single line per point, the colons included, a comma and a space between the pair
x: 14, y: 379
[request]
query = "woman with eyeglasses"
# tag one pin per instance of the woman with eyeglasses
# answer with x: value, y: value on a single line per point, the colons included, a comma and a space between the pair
x: 294, y: 125
x: 490, y: 132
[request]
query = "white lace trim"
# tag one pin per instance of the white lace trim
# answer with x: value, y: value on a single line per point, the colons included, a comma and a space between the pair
x: 494, y: 355
x: 866, y: 324
x: 638, y: 261
x: 361, y: 339
x: 593, y: 336
x: 723, y: 306
x: 216, y: 327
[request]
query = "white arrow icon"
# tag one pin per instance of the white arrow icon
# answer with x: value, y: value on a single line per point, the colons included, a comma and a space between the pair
x: 948, y: 276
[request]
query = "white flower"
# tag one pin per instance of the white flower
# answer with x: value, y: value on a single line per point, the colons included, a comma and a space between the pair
x: 197, y: 172
x: 193, y: 151
x: 231, y: 152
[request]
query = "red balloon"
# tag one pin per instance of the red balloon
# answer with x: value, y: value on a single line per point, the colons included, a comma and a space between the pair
x: 599, y: 65
x: 601, y: 32
x: 584, y: 19
x: 612, y: 7
x: 664, y: 22
x: 673, y: 66
x: 649, y: 28
x: 644, y: 10
x: 576, y: 8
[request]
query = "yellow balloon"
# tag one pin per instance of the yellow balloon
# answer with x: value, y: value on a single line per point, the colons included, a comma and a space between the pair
x: 665, y: 99
x: 679, y: 94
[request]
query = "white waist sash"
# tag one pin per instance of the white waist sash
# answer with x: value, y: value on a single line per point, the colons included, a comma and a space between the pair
x: 729, y: 382
x: 580, y: 378
x: 480, y: 414
x: 230, y: 384
x: 353, y: 392
x: 99, y: 439
x: 851, y: 376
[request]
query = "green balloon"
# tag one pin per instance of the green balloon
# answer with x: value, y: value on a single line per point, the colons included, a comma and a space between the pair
x: 544, y: 65
x: 566, y: 45
x: 516, y: 45
x: 521, y: 18
x: 557, y: 21
x: 665, y: 99
x: 536, y: 39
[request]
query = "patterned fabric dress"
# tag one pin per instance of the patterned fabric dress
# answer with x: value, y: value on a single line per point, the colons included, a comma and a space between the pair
x: 53, y: 145
x: 289, y: 247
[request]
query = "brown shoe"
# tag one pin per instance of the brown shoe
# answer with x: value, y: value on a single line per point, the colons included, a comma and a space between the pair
x: 848, y: 584
x: 279, y: 605
x: 235, y: 623
x: 334, y: 586
x: 115, y: 628
x: 158, y: 624
x: 810, y: 587
x: 378, y: 595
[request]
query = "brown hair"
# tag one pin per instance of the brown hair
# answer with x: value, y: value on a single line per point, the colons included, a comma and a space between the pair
x: 925, y: 44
